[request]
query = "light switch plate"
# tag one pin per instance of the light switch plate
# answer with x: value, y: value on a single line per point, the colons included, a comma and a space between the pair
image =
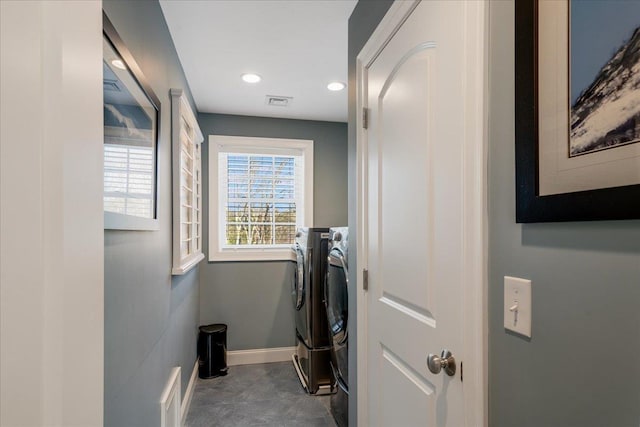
x: 517, y: 305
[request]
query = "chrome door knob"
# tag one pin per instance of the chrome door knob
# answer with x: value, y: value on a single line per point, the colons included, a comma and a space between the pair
x: 446, y: 361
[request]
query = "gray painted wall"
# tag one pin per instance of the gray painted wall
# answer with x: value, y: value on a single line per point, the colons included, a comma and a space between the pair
x: 586, y: 292
x: 363, y: 21
x: 580, y: 367
x: 150, y: 318
x: 253, y: 298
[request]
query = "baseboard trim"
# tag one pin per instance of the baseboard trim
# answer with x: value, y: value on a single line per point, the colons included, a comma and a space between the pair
x: 259, y: 355
x: 188, y: 393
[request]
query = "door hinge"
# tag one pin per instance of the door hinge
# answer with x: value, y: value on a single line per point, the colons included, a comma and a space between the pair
x: 365, y: 279
x: 461, y: 370
x: 365, y: 118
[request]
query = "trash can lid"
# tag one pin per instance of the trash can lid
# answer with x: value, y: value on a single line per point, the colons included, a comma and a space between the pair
x: 214, y: 328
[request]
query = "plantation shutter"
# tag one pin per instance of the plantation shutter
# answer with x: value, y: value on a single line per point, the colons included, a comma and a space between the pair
x: 261, y: 194
x: 128, y: 179
x: 190, y: 194
x: 187, y: 185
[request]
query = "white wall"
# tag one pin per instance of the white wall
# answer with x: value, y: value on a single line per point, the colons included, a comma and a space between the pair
x: 51, y: 259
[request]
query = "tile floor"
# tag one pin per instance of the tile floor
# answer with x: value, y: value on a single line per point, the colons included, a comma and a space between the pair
x: 257, y: 395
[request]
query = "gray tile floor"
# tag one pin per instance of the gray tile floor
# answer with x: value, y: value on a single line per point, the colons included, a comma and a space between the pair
x: 257, y: 395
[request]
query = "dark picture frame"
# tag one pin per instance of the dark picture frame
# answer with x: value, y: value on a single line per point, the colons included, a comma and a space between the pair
x: 133, y: 114
x: 615, y: 203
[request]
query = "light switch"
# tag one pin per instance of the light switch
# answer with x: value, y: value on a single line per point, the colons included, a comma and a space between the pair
x: 517, y: 305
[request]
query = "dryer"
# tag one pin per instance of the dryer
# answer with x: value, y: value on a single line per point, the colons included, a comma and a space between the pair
x: 313, y: 347
x: 336, y: 303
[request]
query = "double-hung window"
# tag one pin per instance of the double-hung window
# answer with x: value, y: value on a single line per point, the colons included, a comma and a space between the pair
x: 260, y: 192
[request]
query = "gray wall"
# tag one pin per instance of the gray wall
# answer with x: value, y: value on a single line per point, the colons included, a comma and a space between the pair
x: 150, y: 317
x: 581, y: 366
x: 363, y: 21
x: 253, y: 298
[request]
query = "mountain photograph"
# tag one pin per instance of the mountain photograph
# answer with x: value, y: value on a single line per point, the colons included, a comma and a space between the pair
x: 605, y: 113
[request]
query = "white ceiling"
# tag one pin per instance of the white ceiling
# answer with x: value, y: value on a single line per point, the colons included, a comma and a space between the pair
x: 297, y: 46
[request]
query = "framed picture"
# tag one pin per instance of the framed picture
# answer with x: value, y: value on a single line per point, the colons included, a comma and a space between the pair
x: 131, y: 116
x: 577, y: 110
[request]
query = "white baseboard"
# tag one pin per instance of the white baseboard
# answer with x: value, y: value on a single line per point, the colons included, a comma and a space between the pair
x: 259, y: 355
x: 188, y: 393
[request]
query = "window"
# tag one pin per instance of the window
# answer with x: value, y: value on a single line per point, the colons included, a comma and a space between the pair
x: 261, y: 191
x: 187, y: 185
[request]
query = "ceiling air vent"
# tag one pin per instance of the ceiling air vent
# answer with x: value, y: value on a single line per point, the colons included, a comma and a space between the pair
x: 110, y: 85
x: 278, y: 101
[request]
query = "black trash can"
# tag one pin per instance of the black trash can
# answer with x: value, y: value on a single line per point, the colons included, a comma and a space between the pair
x: 212, y: 351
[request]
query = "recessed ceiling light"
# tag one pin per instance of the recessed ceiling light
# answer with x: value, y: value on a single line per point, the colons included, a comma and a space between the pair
x: 251, y: 78
x: 118, y: 64
x: 336, y: 86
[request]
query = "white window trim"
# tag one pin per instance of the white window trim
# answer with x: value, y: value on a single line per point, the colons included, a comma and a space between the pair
x: 181, y: 110
x: 217, y: 144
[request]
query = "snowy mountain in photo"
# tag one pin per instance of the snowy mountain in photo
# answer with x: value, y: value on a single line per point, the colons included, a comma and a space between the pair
x: 607, y: 113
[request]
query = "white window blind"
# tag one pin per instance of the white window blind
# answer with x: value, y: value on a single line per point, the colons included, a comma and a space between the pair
x: 262, y: 198
x: 262, y: 195
x: 128, y: 180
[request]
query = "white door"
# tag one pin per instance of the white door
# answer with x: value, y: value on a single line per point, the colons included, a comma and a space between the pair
x: 423, y: 89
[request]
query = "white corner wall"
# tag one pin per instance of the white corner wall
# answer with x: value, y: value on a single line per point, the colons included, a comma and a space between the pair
x: 51, y: 221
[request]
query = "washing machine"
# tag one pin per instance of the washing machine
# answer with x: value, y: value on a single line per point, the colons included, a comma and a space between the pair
x: 336, y: 304
x: 313, y: 348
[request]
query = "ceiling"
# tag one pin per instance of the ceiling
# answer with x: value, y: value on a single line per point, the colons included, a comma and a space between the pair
x: 296, y: 46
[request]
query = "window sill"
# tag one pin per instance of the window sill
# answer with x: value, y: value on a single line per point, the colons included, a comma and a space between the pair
x: 187, y: 265
x: 115, y: 221
x: 253, y: 255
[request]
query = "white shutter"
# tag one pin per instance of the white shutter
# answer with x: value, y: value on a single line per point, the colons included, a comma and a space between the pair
x: 257, y: 192
x: 187, y: 198
x: 300, y: 192
x: 187, y: 185
x: 197, y: 204
x: 128, y: 180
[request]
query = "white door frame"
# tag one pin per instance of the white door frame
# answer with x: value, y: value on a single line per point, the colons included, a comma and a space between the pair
x: 475, y: 215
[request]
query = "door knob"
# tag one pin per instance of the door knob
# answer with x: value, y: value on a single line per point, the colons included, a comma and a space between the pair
x: 446, y: 361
